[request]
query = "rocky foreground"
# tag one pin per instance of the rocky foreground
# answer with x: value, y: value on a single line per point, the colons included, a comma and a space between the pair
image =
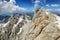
x: 43, y: 26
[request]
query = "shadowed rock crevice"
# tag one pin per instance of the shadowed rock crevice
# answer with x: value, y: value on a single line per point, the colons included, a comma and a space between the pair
x: 57, y: 38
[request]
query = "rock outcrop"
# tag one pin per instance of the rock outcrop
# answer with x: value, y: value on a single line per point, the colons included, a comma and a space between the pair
x: 43, y: 26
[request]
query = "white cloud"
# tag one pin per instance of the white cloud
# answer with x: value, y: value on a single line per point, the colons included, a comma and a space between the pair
x: 47, y: 5
x: 36, y: 3
x: 49, y: 9
x: 10, y: 7
x: 55, y: 5
x: 12, y: 1
x: 52, y: 5
x: 58, y: 10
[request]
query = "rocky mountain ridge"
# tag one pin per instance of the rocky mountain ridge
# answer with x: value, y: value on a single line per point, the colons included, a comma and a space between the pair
x: 43, y: 26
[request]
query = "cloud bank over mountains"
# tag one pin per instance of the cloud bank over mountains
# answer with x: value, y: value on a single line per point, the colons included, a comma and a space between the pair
x: 10, y: 7
x: 52, y: 5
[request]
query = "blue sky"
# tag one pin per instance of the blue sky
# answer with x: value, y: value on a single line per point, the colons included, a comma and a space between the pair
x: 49, y: 4
x: 53, y: 1
x: 18, y: 6
x: 54, y: 4
x: 29, y: 4
x: 24, y: 3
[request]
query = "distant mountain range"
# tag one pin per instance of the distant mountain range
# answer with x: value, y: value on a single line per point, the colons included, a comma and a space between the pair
x: 5, y: 17
x: 56, y: 12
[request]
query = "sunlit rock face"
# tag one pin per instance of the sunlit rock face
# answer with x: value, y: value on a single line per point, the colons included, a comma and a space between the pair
x: 43, y: 26
x: 46, y: 25
x: 12, y: 28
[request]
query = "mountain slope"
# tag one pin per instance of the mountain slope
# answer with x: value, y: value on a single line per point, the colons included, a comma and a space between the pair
x: 43, y: 26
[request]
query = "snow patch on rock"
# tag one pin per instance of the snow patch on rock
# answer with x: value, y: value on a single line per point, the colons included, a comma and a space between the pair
x: 58, y: 21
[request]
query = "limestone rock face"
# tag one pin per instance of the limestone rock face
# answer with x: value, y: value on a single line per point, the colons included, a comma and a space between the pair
x: 46, y: 28
x: 43, y: 26
x: 50, y: 32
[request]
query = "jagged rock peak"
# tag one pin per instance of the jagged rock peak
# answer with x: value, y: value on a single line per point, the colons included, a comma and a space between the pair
x: 43, y: 26
x: 40, y: 9
x: 46, y: 25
